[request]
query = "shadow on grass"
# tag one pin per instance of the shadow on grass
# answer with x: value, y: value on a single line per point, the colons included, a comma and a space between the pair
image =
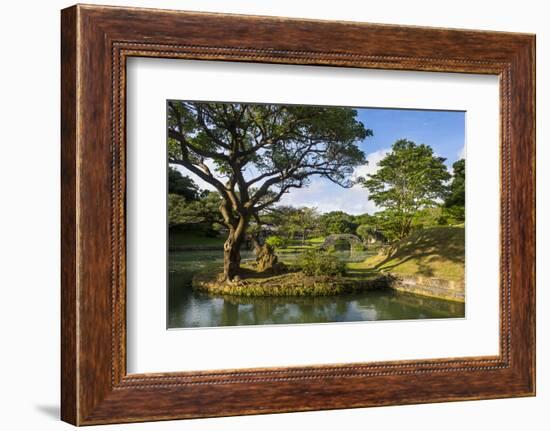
x: 427, y: 246
x: 357, y: 272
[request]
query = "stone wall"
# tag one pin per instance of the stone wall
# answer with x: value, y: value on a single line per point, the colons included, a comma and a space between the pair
x: 427, y: 286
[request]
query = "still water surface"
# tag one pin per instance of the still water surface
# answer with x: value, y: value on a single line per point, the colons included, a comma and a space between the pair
x: 189, y: 308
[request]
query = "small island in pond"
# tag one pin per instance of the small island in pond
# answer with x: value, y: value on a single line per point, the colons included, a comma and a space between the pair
x: 301, y: 214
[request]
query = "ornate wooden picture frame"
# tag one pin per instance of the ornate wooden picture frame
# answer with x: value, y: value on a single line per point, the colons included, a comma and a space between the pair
x: 96, y: 41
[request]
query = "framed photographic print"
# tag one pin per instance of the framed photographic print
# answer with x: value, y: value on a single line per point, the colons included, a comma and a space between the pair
x: 265, y: 215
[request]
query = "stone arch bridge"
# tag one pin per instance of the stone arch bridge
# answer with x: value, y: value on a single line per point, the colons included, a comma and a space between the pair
x: 331, y: 240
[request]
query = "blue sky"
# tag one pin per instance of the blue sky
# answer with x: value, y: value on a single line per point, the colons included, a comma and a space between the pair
x: 442, y: 130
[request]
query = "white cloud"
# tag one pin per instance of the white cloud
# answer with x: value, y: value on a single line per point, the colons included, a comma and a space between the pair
x: 327, y: 196
x: 462, y: 153
x: 372, y: 163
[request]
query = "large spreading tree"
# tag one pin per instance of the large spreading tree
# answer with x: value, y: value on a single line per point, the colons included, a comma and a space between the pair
x: 254, y: 154
x: 411, y: 177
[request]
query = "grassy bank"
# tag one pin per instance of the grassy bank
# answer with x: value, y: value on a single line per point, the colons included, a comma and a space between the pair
x: 252, y: 283
x: 434, y: 252
x: 297, y: 245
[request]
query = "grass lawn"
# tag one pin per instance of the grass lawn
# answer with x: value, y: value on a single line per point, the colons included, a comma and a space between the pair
x: 296, y: 245
x: 317, y: 240
x: 435, y: 252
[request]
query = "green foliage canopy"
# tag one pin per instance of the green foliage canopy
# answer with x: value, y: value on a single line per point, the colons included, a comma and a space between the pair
x: 182, y: 185
x: 335, y: 222
x: 237, y: 147
x: 454, y: 209
x: 409, y: 178
x: 457, y: 189
x: 276, y: 241
x: 366, y: 231
x: 302, y: 221
x: 204, y: 210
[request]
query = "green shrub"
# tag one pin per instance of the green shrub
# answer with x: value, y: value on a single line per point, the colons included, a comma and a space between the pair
x: 318, y: 262
x: 275, y: 241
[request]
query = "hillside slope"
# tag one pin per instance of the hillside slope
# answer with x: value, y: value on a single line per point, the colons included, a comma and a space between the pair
x: 434, y: 252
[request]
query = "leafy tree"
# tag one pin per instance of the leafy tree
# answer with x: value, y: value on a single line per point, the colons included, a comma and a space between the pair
x: 182, y: 185
x: 369, y: 232
x: 389, y: 225
x: 369, y: 227
x: 452, y: 216
x: 365, y: 218
x: 253, y: 154
x: 409, y: 178
x: 303, y: 220
x: 428, y: 217
x: 456, y: 199
x: 278, y: 216
x: 204, y: 210
x: 177, y: 210
x: 292, y: 221
x: 337, y: 222
x: 457, y: 189
x: 275, y: 241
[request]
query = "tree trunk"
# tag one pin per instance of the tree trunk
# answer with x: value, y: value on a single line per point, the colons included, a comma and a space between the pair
x: 231, y: 257
x: 232, y: 250
x: 407, y: 227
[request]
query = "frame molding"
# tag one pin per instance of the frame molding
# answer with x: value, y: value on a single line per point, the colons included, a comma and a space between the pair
x: 96, y: 41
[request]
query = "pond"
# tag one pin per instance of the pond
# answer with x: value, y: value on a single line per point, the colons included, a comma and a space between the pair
x: 190, y: 308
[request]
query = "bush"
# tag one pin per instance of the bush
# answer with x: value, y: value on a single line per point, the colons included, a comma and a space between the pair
x: 318, y: 262
x: 275, y: 241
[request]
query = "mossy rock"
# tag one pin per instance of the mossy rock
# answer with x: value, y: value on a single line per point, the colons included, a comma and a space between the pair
x: 267, y: 260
